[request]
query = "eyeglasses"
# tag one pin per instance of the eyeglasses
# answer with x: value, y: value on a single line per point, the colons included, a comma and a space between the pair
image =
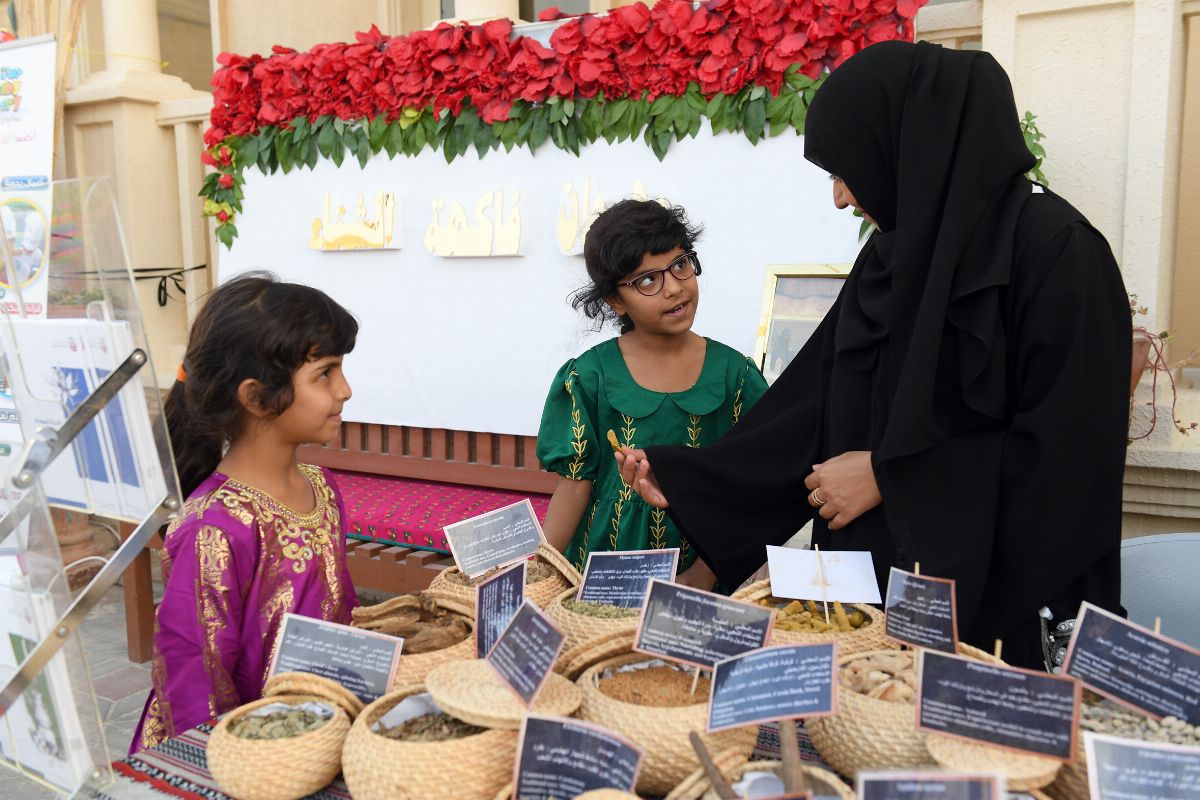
x: 651, y: 283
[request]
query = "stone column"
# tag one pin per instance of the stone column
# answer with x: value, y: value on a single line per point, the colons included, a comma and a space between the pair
x: 112, y: 129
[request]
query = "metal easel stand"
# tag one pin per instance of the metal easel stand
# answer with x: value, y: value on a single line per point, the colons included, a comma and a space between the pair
x: 39, y: 453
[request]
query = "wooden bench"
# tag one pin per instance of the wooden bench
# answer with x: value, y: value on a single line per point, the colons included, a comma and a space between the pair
x: 495, y: 461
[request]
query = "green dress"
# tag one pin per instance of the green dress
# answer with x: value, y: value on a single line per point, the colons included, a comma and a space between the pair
x: 595, y: 393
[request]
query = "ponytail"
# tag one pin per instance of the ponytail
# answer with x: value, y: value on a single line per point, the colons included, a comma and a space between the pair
x: 198, y: 448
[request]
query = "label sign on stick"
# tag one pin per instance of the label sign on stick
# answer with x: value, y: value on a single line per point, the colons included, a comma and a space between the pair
x: 697, y: 627
x: 496, y: 602
x: 782, y: 682
x: 495, y: 539
x: 1005, y: 706
x: 1123, y: 769
x: 1134, y: 666
x: 847, y: 576
x: 558, y: 757
x: 362, y: 661
x: 921, y: 611
x: 525, y: 653
x: 620, y: 578
x: 930, y: 786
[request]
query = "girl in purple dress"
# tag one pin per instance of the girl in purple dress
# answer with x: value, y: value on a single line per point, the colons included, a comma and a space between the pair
x: 261, y: 535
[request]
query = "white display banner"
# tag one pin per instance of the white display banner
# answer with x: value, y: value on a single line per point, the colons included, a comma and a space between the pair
x: 472, y: 343
x: 26, y: 163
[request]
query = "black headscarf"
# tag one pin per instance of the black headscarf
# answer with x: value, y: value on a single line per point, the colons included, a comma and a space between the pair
x: 929, y: 142
x: 927, y: 359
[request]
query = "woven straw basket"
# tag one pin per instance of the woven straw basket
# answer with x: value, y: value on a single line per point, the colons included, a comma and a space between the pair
x: 581, y: 628
x: 867, y: 638
x: 660, y: 733
x: 1023, y: 771
x: 473, y: 692
x: 378, y: 768
x: 283, y: 769
x: 414, y: 667
x: 733, y: 765
x: 871, y: 734
x: 540, y: 593
x: 595, y: 794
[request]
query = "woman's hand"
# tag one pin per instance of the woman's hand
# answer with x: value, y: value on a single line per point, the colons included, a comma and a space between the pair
x: 843, y: 488
x: 636, y: 472
x: 698, y: 576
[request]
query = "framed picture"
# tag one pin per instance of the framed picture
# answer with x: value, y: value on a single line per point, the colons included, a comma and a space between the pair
x: 795, y: 300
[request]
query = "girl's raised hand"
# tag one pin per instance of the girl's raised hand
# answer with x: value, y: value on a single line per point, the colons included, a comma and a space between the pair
x: 636, y: 472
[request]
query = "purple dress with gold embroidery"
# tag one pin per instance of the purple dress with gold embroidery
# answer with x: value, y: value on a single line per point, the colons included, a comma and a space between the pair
x: 235, y: 562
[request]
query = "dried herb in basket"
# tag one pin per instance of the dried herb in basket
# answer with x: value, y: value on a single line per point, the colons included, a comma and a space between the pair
x: 277, y: 724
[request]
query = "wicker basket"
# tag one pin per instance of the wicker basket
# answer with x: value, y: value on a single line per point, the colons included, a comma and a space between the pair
x: 868, y: 638
x: 413, y: 668
x: 1023, y: 771
x: 595, y: 794
x: 378, y: 768
x: 269, y: 769
x: 660, y: 733
x: 581, y: 628
x: 540, y: 593
x: 474, y: 693
x: 733, y: 765
x: 871, y: 734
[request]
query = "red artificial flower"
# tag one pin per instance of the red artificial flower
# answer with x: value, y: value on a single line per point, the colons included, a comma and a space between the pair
x: 223, y: 215
x: 225, y: 181
x: 633, y: 51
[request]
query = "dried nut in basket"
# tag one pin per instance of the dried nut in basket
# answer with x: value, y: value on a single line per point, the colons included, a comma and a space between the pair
x: 424, y: 626
x: 663, y: 687
x: 883, y: 676
x: 535, y: 570
x: 431, y: 728
x: 1105, y: 716
x: 808, y: 617
x: 602, y: 610
x: 277, y: 724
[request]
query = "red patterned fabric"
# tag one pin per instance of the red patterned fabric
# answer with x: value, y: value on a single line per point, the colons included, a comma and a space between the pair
x: 412, y: 513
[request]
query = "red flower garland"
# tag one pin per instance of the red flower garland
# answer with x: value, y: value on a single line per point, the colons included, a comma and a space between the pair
x: 723, y: 45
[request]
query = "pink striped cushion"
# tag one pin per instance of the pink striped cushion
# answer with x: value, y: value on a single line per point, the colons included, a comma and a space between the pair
x: 412, y: 513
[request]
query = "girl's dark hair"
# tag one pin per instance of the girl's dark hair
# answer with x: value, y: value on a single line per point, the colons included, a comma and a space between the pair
x: 251, y: 327
x: 614, y: 247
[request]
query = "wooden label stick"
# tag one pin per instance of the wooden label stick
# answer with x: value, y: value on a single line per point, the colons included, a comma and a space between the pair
x: 794, y: 780
x: 916, y: 568
x: 821, y: 578
x: 999, y: 648
x: 1158, y: 625
x: 722, y: 787
x: 695, y: 680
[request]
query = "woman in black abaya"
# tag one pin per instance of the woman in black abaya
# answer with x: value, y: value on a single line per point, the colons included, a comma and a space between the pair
x: 964, y: 403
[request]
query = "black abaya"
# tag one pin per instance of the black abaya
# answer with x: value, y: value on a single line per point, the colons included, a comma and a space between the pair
x: 979, y: 349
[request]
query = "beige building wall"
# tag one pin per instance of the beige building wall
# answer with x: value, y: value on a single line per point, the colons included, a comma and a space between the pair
x: 1185, y: 303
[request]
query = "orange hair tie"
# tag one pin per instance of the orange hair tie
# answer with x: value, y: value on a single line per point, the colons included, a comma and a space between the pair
x: 181, y: 374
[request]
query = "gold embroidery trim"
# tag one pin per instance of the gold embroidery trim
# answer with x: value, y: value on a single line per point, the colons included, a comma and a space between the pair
x: 694, y: 431
x: 212, y: 609
x: 578, y: 442
x: 626, y: 493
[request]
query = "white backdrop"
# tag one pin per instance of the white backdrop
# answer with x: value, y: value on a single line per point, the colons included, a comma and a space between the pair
x: 472, y: 343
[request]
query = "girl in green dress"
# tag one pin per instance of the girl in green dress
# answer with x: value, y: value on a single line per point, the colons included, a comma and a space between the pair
x: 657, y: 383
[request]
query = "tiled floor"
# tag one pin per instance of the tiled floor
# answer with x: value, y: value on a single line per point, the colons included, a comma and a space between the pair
x: 120, y: 687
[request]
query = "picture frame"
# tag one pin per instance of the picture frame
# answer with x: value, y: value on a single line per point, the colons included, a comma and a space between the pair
x: 796, y: 297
